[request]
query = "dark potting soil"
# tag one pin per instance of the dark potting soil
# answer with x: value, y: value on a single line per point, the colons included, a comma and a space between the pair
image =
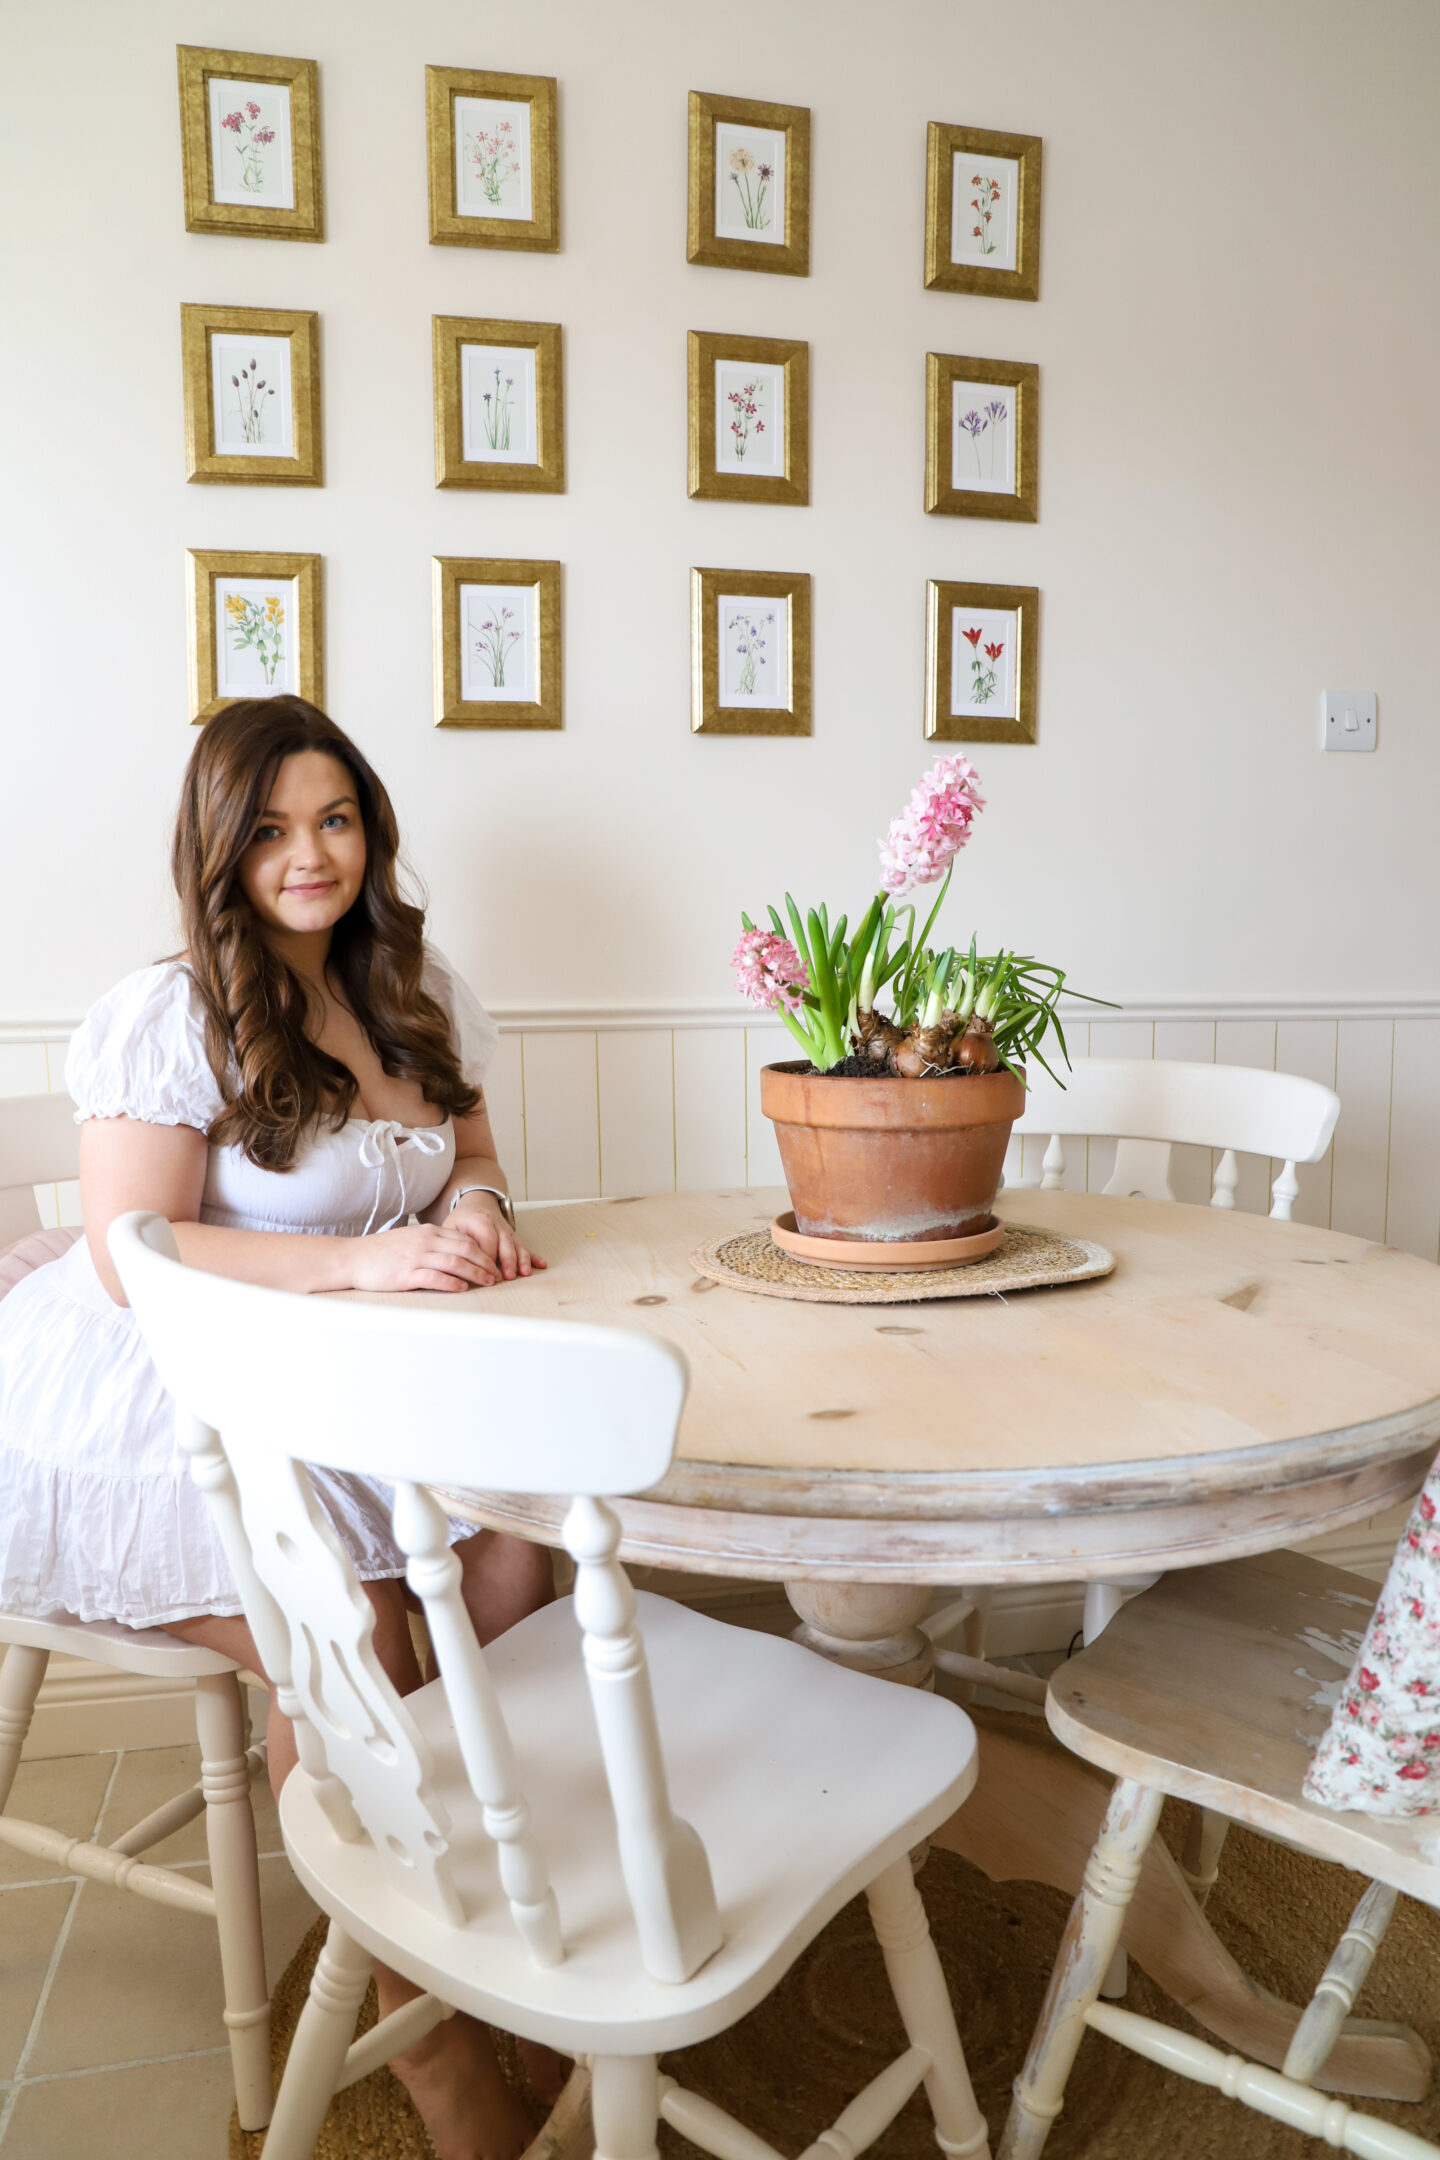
x: 863, y: 1068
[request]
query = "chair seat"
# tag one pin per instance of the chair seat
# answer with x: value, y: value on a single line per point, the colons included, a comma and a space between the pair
x: 1216, y: 1685
x: 804, y: 1781
x: 109, y: 1642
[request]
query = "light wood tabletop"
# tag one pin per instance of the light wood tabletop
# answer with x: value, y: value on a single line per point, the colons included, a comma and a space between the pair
x: 1236, y: 1383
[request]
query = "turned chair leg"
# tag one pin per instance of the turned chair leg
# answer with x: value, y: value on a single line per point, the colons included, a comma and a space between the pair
x: 1205, y: 1835
x: 317, y: 2053
x: 20, y: 1678
x: 624, y: 2107
x: 902, y: 1930
x: 235, y: 1876
x: 1092, y: 1935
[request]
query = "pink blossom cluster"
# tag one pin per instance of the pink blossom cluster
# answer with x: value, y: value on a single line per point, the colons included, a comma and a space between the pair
x: 770, y: 971
x: 932, y: 828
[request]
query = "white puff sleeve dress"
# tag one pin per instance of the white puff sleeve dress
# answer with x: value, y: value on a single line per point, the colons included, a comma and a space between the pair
x: 100, y: 1516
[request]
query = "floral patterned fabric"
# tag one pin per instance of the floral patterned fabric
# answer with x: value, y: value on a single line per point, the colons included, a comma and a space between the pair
x: 1380, y: 1753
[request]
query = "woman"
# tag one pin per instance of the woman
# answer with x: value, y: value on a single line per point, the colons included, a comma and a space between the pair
x: 288, y: 1092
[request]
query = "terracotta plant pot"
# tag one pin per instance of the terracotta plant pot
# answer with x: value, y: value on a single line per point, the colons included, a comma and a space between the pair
x: 890, y: 1160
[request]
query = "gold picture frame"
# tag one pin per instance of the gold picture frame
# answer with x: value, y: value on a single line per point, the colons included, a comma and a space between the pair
x: 252, y: 404
x: 237, y: 176
x: 787, y: 359
x: 1008, y: 163
x: 458, y: 215
x: 775, y: 139
x: 1001, y: 619
x: 540, y: 411
x: 468, y: 648
x: 1000, y: 427
x: 719, y: 705
x: 293, y: 661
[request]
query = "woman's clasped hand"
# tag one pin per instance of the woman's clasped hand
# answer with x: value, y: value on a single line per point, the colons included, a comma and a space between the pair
x: 465, y: 1252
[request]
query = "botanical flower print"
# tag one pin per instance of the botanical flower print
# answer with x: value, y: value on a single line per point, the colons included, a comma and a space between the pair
x: 258, y: 626
x: 751, y: 178
x: 494, y: 163
x: 497, y: 415
x: 983, y: 204
x: 749, y: 643
x: 250, y: 390
x: 492, y: 157
x: 495, y: 631
x: 984, y: 198
x: 746, y: 416
x: 754, y: 652
x: 497, y: 658
x: 251, y: 393
x: 982, y: 667
x: 498, y: 386
x: 748, y: 182
x: 983, y: 449
x: 749, y: 417
x: 251, y: 142
x: 983, y: 683
x: 1380, y: 1752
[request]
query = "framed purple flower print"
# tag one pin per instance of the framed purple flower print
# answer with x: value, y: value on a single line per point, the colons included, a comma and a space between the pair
x: 982, y: 420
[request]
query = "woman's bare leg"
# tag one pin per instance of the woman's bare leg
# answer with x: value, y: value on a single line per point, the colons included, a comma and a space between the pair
x: 452, y: 2074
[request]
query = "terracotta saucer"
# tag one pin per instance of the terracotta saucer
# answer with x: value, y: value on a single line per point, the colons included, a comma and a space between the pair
x: 900, y: 1259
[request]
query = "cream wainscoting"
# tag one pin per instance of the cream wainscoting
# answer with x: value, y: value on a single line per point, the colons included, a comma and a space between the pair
x: 629, y: 1100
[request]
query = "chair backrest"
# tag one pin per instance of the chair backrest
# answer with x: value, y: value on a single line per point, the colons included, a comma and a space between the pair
x: 266, y: 1381
x: 1148, y: 1105
x: 39, y: 1145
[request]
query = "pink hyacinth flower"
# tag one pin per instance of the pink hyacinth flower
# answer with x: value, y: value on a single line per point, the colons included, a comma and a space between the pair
x: 770, y: 971
x: 930, y: 831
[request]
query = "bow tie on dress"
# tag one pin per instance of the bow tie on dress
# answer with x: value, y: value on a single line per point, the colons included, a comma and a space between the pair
x: 380, y: 1148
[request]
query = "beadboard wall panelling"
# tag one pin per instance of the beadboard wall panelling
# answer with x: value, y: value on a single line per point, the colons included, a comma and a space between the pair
x: 505, y: 1100
x: 1364, y: 1072
x: 1309, y: 1048
x: 593, y: 1103
x: 562, y: 1115
x: 1413, y: 1187
x: 637, y: 1111
x: 763, y: 1046
x: 709, y: 1108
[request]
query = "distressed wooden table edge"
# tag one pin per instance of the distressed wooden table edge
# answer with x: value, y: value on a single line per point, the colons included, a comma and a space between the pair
x: 1099, y: 1545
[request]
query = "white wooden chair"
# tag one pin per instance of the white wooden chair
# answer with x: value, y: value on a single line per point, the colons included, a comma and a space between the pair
x: 506, y: 1836
x: 1201, y: 1688
x: 1150, y: 1104
x: 39, y: 1145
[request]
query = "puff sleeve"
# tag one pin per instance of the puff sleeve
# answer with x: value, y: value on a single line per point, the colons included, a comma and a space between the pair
x: 140, y: 1053
x: 474, y: 1033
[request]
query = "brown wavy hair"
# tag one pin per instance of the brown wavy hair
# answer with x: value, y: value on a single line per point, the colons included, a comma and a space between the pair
x: 278, y: 1085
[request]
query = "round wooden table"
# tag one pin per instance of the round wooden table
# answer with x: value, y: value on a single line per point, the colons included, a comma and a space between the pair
x: 1235, y: 1385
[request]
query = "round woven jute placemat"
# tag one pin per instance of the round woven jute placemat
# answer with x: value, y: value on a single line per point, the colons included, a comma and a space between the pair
x: 1028, y: 1260
x: 788, y: 2068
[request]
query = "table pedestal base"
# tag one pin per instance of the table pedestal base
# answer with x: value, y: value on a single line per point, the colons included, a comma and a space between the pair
x: 871, y: 1627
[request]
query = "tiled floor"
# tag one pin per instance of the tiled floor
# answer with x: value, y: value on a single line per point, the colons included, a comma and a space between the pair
x: 111, y: 2040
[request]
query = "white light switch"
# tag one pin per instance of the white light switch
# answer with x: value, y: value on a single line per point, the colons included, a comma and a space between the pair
x: 1347, y: 719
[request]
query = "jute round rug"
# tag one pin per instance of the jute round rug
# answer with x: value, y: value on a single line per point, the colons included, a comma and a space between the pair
x: 789, y: 2067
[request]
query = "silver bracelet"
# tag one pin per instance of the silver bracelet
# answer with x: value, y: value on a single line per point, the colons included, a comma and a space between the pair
x: 507, y: 1205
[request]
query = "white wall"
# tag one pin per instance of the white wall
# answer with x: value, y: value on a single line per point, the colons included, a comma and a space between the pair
x: 1240, y: 463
